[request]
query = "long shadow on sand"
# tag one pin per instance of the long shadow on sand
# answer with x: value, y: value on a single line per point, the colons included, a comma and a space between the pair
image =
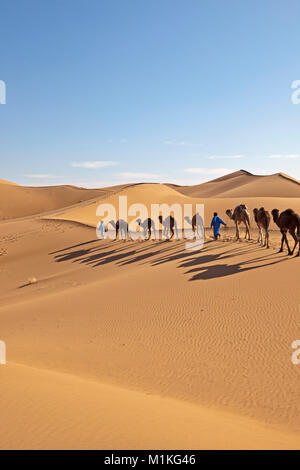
x: 205, y: 264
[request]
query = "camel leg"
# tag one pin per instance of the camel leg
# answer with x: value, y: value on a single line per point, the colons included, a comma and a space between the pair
x: 247, y: 234
x: 287, y: 244
x: 260, y: 237
x: 267, y: 239
x: 282, y: 242
x: 129, y: 235
x: 259, y: 234
x: 248, y: 231
x: 237, y: 231
x: 295, y: 239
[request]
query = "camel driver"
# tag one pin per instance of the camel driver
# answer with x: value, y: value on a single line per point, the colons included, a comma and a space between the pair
x: 216, y: 224
x: 101, y: 230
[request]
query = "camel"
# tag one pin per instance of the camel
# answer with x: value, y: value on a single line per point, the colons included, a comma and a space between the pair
x: 288, y: 221
x: 240, y: 215
x: 148, y: 226
x: 122, y: 227
x: 197, y: 224
x: 262, y: 219
x: 169, y: 225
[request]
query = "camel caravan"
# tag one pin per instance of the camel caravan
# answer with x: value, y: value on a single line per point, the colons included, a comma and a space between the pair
x: 287, y: 221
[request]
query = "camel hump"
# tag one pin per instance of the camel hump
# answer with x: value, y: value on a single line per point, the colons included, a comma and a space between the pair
x: 289, y: 212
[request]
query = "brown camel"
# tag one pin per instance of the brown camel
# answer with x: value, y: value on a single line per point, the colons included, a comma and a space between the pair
x: 169, y: 225
x: 197, y: 224
x: 240, y: 215
x: 262, y: 219
x: 148, y: 226
x: 122, y: 227
x: 288, y: 221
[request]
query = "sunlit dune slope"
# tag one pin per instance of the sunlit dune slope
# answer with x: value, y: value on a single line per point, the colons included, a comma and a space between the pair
x: 7, y: 182
x: 146, y: 194
x: 244, y: 184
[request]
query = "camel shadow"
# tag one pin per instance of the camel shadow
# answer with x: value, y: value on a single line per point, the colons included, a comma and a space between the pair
x: 212, y: 262
x: 215, y: 271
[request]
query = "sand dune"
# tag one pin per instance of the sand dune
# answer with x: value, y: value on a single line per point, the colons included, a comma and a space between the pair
x: 7, y: 182
x: 160, y: 194
x: 63, y: 411
x: 177, y: 334
x: 21, y: 201
x: 244, y: 184
x: 146, y: 194
x: 146, y: 344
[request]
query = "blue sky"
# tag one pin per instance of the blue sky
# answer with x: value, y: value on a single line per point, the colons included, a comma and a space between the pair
x: 101, y: 92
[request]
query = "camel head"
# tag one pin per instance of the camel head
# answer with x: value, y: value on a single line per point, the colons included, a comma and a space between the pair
x: 112, y: 223
x: 255, y: 211
x: 275, y: 214
x: 229, y: 213
x: 188, y: 220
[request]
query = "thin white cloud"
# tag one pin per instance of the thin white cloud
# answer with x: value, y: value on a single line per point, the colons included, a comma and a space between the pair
x: 93, y: 165
x: 209, y: 171
x: 221, y: 157
x: 286, y: 157
x: 40, y: 176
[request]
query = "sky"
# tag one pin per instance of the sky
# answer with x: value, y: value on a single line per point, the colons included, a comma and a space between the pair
x: 102, y: 92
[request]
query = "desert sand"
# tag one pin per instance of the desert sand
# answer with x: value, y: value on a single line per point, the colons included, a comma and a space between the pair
x: 144, y: 344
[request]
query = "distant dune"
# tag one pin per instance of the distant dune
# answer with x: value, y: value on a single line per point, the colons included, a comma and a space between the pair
x: 244, y: 184
x: 7, y: 182
x: 20, y: 201
x: 148, y: 194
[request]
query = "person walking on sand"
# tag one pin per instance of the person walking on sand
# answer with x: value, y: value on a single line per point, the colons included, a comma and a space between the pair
x: 216, y: 225
x: 101, y: 229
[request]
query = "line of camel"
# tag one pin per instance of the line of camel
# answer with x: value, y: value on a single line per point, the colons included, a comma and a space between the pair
x: 288, y: 221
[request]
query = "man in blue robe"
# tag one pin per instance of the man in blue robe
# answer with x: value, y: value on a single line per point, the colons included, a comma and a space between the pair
x: 216, y: 225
